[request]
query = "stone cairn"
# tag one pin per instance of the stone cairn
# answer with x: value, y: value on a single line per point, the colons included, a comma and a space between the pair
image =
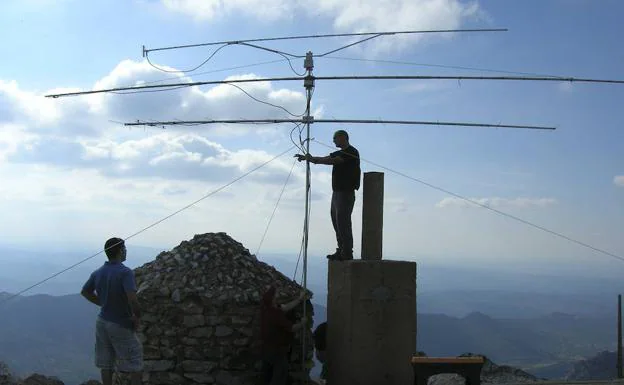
x: 201, y: 314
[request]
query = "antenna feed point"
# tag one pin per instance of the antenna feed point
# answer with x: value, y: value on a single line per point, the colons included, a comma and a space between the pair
x: 308, y: 63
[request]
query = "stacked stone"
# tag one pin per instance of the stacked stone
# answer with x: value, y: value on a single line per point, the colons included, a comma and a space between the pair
x: 200, y: 321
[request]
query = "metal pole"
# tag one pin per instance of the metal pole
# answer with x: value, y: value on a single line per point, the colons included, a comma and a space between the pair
x: 372, y: 77
x: 619, y: 342
x: 309, y: 85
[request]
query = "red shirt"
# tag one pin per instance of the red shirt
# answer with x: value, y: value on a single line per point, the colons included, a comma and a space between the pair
x: 275, y: 329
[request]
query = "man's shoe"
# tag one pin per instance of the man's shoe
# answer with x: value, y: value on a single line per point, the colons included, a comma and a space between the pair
x: 340, y: 256
x: 345, y: 256
x: 335, y: 256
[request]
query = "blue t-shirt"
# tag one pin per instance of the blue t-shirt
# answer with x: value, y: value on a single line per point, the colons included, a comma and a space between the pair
x: 111, y: 282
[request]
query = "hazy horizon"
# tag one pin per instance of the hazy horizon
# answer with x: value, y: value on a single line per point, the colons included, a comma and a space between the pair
x: 498, y: 291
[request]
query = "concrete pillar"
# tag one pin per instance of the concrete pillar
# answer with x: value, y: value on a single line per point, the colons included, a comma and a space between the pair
x: 371, y: 322
x: 372, y: 215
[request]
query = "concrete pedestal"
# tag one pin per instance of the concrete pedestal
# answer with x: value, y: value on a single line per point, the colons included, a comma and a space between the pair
x: 371, y: 322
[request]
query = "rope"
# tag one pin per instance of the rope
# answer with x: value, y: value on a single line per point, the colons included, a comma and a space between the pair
x: 490, y: 208
x: 152, y: 225
x: 275, y: 208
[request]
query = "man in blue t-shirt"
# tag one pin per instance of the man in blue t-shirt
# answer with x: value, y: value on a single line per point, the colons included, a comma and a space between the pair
x: 113, y: 288
x: 345, y: 180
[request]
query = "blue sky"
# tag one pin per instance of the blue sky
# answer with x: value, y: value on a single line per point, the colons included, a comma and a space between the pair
x: 71, y: 176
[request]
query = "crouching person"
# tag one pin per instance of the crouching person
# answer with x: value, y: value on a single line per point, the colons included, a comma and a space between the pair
x: 113, y: 288
x: 320, y: 345
x: 277, y: 335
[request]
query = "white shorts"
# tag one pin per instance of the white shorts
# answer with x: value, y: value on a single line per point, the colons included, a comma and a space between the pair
x: 117, y: 347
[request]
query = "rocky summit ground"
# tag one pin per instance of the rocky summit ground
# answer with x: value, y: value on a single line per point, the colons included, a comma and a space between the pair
x: 7, y: 378
x: 490, y: 374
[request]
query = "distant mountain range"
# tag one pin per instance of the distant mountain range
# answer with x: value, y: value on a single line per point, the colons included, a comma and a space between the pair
x: 49, y: 335
x: 542, y: 323
x: 546, y: 346
x: 54, y: 336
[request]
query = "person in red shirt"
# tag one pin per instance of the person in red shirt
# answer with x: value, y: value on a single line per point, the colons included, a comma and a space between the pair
x: 277, y: 334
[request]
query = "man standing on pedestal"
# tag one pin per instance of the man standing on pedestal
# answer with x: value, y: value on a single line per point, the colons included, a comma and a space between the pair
x: 345, y: 180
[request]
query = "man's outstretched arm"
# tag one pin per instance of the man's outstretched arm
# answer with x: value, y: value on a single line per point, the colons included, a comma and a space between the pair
x: 320, y: 160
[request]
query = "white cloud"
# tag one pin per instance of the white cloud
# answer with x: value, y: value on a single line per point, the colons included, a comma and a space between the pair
x: 77, y: 132
x: 91, y: 115
x: 496, y: 202
x: 346, y: 15
x: 191, y: 103
x: 15, y: 103
x: 619, y: 180
x: 165, y: 155
x: 268, y: 10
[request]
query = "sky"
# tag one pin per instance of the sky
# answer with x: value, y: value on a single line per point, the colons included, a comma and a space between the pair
x: 73, y: 175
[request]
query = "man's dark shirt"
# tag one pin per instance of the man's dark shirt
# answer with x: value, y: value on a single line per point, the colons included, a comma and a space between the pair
x: 276, y: 330
x: 346, y: 175
x: 112, y: 282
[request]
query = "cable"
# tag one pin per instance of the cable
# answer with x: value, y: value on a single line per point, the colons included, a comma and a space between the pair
x: 291, y: 66
x: 191, y: 70
x: 285, y: 55
x: 275, y: 208
x: 492, y: 209
x: 265, y: 102
x: 298, y: 259
x: 299, y: 146
x: 153, y: 224
x: 213, y: 71
x: 438, y: 66
x: 271, y: 50
x: 145, y: 51
x: 147, y: 91
x: 348, y: 45
x: 301, y: 247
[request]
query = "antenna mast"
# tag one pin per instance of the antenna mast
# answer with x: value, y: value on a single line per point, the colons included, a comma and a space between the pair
x: 308, y: 83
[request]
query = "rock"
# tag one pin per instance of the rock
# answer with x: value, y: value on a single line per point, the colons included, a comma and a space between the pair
x: 192, y: 321
x: 201, y: 332
x: 198, y: 366
x: 38, y: 379
x: 223, y: 331
x: 176, y: 295
x: 602, y: 366
x: 491, y: 373
x: 7, y: 378
x: 200, y: 378
x: 202, y: 304
x: 236, y: 378
x: 158, y: 366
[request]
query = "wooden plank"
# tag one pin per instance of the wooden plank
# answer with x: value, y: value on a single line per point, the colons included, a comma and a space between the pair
x: 447, y: 360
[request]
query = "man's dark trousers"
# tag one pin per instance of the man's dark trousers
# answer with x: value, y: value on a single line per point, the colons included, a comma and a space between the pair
x: 341, y: 208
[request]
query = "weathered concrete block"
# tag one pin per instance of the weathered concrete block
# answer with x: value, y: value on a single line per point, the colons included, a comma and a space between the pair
x: 371, y: 322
